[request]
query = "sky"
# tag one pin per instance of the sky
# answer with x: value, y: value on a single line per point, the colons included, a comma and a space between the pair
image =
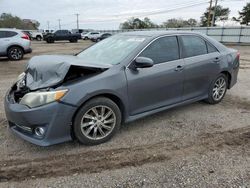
x: 108, y: 14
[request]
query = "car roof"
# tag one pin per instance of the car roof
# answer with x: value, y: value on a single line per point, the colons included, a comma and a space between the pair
x: 158, y: 33
x: 9, y: 29
x: 155, y: 34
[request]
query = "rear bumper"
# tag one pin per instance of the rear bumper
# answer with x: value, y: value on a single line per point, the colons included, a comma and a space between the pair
x: 234, y: 76
x: 28, y: 50
x: 55, y: 118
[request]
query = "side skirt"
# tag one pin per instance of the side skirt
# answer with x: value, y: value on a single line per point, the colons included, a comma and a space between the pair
x: 144, y: 114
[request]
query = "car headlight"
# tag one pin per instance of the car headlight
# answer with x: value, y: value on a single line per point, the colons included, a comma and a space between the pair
x: 21, y: 76
x: 35, y: 99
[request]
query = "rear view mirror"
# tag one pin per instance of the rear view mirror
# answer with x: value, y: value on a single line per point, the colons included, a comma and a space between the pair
x: 143, y: 62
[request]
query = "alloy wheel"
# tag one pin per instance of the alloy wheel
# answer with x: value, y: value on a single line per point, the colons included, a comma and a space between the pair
x: 219, y: 88
x: 16, y: 53
x: 98, y: 122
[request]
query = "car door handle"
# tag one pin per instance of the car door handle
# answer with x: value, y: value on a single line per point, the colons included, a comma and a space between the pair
x: 179, y: 68
x: 217, y: 60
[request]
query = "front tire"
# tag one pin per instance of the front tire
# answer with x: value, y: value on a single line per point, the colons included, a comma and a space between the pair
x: 15, y: 53
x: 97, y: 121
x: 218, y: 89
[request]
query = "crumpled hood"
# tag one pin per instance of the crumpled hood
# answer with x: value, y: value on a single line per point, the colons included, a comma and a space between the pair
x: 49, y: 70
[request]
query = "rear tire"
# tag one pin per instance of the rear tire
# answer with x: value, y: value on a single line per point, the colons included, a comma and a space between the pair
x: 217, y: 89
x: 97, y: 121
x: 38, y: 38
x: 15, y: 53
x: 50, y: 40
x: 73, y: 40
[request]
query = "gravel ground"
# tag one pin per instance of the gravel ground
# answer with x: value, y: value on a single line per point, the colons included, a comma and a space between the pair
x: 196, y: 145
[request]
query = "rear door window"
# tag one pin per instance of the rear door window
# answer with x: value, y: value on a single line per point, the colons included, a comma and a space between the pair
x: 10, y: 34
x: 211, y: 48
x: 162, y: 50
x: 193, y: 46
x: 2, y: 34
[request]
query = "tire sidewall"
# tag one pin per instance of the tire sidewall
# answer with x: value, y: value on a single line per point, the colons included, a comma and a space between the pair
x: 50, y: 40
x: 15, y: 47
x: 210, y: 93
x: 90, y: 104
x: 38, y: 38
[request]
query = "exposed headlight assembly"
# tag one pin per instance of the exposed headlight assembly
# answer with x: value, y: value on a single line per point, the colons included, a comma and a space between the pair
x: 35, y: 99
x: 20, y: 82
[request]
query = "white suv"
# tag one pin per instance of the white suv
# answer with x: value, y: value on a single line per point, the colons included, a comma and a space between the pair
x: 90, y: 35
x: 14, y: 44
x: 36, y: 35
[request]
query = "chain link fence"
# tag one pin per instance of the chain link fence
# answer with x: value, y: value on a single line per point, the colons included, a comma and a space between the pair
x: 239, y: 34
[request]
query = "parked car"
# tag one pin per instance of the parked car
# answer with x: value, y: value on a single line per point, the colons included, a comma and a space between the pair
x: 62, y: 35
x: 14, y: 44
x: 37, y: 35
x: 46, y: 32
x: 125, y: 77
x: 101, y: 37
x: 28, y: 33
x: 90, y: 35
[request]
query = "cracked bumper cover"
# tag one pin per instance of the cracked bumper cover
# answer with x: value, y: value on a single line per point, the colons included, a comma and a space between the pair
x: 55, y: 117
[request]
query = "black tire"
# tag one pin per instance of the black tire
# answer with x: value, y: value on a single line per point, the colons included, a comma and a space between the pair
x: 38, y: 38
x: 15, y: 53
x: 96, y: 103
x: 50, y: 40
x: 211, y: 99
x: 73, y: 40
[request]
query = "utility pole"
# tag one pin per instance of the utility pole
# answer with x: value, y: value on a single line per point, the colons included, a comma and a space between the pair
x: 209, y: 13
x: 59, y: 21
x: 48, y: 24
x: 77, y: 20
x: 215, y: 8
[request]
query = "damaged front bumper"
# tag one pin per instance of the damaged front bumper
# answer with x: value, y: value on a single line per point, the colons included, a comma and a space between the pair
x: 54, y: 118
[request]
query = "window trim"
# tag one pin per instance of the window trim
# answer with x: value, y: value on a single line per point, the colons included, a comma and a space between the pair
x: 178, y: 35
x: 202, y: 38
x: 208, y: 43
x: 178, y: 46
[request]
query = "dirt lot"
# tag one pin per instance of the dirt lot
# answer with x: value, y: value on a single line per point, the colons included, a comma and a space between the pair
x: 197, y: 145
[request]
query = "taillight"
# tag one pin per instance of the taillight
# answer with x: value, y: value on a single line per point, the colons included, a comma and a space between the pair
x: 25, y: 37
x: 238, y: 55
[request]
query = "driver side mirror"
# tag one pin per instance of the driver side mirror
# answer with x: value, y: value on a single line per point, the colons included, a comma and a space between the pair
x: 143, y: 62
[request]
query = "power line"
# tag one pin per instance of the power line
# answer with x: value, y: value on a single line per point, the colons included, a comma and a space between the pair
x: 186, y: 5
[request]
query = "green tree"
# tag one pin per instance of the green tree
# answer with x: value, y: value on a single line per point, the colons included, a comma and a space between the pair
x: 220, y: 12
x: 136, y: 23
x: 176, y: 23
x: 244, y: 17
x: 9, y: 21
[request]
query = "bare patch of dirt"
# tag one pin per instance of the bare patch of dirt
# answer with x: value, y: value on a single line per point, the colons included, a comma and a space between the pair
x: 236, y: 101
x: 97, y: 161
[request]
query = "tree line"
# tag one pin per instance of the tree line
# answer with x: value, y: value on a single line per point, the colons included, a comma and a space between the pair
x: 10, y: 21
x: 221, y: 14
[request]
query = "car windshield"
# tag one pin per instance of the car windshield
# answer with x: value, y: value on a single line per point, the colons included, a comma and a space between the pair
x: 111, y: 50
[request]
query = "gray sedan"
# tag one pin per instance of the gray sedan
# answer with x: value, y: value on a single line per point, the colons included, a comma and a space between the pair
x: 123, y: 78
